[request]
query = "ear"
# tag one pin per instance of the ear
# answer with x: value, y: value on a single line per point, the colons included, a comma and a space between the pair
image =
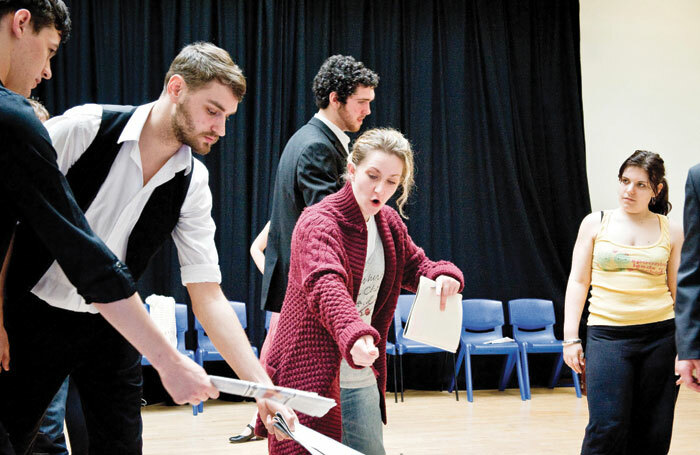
x: 659, y: 187
x: 333, y: 99
x: 176, y: 88
x: 351, y: 171
x: 21, y: 22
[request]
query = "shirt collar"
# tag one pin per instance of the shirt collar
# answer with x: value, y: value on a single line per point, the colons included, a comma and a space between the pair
x: 132, y: 132
x: 340, y: 134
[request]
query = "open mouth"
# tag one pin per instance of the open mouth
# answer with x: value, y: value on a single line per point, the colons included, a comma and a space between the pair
x: 376, y: 202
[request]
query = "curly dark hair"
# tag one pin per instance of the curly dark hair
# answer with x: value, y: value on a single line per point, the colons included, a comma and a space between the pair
x: 653, y: 164
x: 341, y: 74
x: 45, y: 13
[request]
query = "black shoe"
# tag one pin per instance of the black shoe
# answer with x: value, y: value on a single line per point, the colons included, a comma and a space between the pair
x: 244, y: 437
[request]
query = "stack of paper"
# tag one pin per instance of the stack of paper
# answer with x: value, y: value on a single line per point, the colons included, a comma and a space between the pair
x: 309, y: 403
x: 313, y: 441
x: 427, y: 324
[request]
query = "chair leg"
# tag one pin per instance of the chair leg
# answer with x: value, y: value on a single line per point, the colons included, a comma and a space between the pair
x: 454, y: 376
x: 401, y: 375
x: 458, y: 367
x: 521, y: 385
x: 526, y: 370
x: 577, y: 384
x: 556, y: 372
x: 468, y: 374
x: 396, y: 400
x: 442, y: 370
x: 507, y: 371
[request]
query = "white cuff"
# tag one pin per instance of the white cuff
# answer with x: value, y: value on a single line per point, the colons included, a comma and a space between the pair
x: 203, y: 273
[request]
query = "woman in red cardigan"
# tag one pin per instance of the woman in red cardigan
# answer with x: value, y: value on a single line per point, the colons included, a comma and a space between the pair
x: 351, y: 255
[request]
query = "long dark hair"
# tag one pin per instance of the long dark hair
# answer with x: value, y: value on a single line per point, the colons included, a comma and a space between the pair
x: 654, y: 166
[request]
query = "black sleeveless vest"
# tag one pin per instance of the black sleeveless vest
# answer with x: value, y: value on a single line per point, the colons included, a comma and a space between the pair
x: 155, y: 224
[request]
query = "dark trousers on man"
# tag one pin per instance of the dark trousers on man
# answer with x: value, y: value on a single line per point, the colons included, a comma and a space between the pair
x: 631, y: 389
x: 46, y: 345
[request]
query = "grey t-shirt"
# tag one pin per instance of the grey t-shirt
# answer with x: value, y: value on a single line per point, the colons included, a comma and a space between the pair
x: 351, y: 378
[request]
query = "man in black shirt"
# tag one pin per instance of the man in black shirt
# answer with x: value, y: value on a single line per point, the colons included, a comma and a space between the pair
x: 33, y: 191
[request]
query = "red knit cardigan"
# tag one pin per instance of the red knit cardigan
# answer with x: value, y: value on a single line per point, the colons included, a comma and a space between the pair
x: 319, y: 323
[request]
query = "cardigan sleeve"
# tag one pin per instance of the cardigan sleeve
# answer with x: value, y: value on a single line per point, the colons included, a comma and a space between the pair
x: 417, y: 264
x: 325, y: 281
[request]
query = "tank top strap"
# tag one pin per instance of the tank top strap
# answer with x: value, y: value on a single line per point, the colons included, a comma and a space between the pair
x: 665, y: 229
x: 603, y: 224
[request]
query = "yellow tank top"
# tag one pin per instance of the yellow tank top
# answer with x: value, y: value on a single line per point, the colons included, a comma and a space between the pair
x: 629, y: 283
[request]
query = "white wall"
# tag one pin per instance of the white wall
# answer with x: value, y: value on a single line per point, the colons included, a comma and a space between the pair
x: 640, y: 64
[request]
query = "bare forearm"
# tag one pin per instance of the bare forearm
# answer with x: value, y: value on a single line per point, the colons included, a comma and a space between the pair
x: 576, y: 293
x: 130, y: 318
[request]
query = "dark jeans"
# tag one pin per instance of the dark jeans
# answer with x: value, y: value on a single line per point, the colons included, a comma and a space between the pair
x: 631, y: 389
x: 46, y: 345
x: 66, y: 406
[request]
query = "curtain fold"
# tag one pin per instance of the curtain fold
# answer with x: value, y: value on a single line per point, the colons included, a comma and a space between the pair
x: 488, y: 92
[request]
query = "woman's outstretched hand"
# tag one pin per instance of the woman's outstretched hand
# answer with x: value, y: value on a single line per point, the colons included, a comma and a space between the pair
x: 364, y: 352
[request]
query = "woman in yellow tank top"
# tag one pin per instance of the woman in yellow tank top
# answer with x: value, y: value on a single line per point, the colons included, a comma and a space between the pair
x: 629, y: 258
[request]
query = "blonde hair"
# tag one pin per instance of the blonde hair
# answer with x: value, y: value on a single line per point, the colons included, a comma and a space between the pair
x: 39, y: 109
x: 200, y: 63
x: 389, y: 141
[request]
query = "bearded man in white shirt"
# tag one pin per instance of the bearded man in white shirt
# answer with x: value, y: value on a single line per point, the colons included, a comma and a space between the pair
x: 134, y: 176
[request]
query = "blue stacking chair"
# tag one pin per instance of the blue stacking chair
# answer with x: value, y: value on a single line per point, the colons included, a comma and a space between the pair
x: 407, y: 346
x: 206, y: 351
x: 482, y: 321
x: 181, y: 328
x: 268, y: 316
x: 533, y: 329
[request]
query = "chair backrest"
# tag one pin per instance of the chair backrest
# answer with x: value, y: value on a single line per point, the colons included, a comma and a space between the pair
x: 403, y: 306
x: 483, y: 315
x: 531, y: 317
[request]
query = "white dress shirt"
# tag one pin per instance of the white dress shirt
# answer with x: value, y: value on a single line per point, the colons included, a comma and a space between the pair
x: 122, y: 197
x: 340, y: 134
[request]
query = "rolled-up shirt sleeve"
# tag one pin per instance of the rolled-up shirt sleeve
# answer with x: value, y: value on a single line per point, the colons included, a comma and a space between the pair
x: 32, y: 184
x: 195, y: 230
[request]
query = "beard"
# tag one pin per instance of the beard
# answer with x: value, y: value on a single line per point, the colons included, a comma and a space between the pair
x: 350, y: 124
x: 184, y: 130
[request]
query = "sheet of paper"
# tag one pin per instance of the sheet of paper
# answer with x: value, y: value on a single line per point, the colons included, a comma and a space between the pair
x: 313, y: 441
x: 427, y: 324
x: 500, y: 340
x: 308, y: 403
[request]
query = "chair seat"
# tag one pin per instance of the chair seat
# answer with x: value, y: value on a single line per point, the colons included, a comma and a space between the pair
x: 494, y: 348
x: 409, y: 346
x: 554, y: 346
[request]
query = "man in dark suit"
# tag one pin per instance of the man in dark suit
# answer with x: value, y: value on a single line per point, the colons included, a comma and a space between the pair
x: 314, y: 160
x: 688, y: 293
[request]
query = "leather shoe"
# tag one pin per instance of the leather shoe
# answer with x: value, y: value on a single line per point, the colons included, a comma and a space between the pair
x: 245, y: 436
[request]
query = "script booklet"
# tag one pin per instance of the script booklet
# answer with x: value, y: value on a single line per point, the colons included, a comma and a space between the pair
x: 309, y: 403
x: 427, y: 324
x: 313, y: 441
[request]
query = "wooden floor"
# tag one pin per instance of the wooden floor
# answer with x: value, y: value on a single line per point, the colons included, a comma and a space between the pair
x: 552, y: 422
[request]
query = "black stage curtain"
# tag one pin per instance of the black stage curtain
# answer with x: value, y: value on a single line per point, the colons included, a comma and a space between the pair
x: 488, y: 91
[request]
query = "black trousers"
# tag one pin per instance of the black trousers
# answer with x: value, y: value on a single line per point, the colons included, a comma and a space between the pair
x: 47, y: 344
x: 631, y: 389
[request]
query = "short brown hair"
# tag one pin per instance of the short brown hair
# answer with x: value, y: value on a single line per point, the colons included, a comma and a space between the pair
x: 45, y: 13
x: 200, y: 63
